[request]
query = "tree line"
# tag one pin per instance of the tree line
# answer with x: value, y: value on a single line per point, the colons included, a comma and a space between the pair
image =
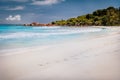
x: 102, y: 17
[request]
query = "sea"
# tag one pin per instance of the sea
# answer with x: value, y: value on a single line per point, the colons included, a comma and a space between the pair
x: 15, y: 37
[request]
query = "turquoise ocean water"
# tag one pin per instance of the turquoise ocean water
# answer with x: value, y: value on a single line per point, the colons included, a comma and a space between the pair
x: 12, y: 37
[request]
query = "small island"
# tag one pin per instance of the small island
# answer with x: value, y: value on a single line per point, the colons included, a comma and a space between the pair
x: 38, y: 24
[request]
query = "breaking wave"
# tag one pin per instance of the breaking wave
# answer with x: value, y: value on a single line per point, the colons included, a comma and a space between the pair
x: 45, y: 34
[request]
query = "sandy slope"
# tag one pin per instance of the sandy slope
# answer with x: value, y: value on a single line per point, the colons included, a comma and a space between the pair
x: 95, y: 59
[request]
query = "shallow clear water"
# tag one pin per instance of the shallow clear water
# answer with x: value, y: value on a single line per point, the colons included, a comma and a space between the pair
x: 22, y: 36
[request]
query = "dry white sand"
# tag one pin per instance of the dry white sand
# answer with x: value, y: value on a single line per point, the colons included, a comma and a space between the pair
x: 96, y: 58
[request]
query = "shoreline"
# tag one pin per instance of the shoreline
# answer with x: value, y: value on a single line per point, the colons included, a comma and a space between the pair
x: 6, y: 52
x: 96, y: 58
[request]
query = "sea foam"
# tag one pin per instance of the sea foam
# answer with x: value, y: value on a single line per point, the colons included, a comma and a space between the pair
x: 55, y: 32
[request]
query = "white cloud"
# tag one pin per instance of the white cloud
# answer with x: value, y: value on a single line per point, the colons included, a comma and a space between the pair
x: 46, y: 2
x: 16, y: 8
x: 14, y: 18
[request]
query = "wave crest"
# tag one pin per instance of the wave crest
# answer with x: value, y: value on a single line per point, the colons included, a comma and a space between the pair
x: 44, y: 34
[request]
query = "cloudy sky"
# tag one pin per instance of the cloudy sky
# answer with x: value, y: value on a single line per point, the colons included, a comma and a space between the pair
x: 44, y: 11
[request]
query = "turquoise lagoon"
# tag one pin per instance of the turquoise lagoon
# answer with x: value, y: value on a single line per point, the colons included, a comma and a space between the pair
x: 13, y: 37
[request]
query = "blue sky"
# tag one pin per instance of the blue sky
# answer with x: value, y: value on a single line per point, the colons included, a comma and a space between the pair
x: 45, y: 11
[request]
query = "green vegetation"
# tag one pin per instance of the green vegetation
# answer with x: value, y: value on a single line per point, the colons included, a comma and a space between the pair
x: 102, y: 17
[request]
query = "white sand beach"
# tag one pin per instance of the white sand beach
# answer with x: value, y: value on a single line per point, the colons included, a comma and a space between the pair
x: 96, y: 58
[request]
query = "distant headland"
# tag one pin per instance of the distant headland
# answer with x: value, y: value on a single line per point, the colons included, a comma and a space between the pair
x: 38, y: 24
x: 102, y: 17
